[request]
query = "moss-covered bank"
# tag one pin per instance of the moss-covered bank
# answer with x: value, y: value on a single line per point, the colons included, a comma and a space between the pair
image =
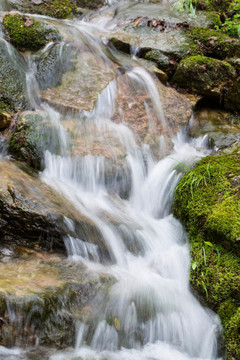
x: 207, y: 201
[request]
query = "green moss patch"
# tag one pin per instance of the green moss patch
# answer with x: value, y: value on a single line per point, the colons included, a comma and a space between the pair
x: 198, y: 74
x: 214, y: 43
x: 207, y: 201
x: 60, y: 9
x: 27, y: 33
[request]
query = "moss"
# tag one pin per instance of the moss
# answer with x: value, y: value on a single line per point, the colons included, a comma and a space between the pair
x: 213, y: 19
x: 198, y: 74
x: 214, y: 43
x: 233, y: 335
x: 212, y: 5
x: 28, y: 37
x: 62, y: 8
x: 215, y: 274
x: 207, y: 202
x: 234, y: 7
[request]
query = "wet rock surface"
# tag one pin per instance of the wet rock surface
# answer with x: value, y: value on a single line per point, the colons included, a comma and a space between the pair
x: 222, y: 128
x: 12, y: 77
x: 32, y: 213
x: 33, y: 134
x: 75, y: 95
x: 42, y: 296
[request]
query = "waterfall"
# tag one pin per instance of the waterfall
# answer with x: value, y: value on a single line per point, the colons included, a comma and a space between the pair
x: 148, y: 310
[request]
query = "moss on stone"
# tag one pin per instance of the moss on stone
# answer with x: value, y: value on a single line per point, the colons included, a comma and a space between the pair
x: 198, y: 74
x: 60, y: 9
x: 213, y: 19
x: 214, y: 43
x: 27, y: 33
x: 207, y: 202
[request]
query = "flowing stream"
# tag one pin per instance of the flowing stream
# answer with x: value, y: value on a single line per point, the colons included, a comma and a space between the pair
x: 148, y: 311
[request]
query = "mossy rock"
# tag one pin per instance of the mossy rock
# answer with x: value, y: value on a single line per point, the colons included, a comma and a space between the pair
x: 26, y: 33
x: 213, y: 19
x: 162, y: 61
x: 198, y: 74
x: 209, y: 195
x: 214, y: 43
x: 33, y: 135
x: 207, y: 202
x: 232, y: 97
x: 60, y: 9
x: 12, y: 78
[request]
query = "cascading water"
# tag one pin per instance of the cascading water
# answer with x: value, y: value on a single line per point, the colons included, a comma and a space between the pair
x: 147, y: 311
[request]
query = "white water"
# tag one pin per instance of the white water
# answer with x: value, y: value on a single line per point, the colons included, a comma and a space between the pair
x: 148, y: 312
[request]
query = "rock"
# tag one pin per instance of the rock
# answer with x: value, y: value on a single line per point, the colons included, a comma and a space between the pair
x: 52, y: 63
x: 161, y: 60
x: 232, y: 96
x: 210, y: 210
x: 26, y: 33
x: 33, y: 214
x: 47, y: 295
x: 12, y: 77
x: 5, y: 117
x: 33, y: 135
x: 80, y: 87
x: 60, y: 9
x: 198, y: 74
x: 222, y: 128
x: 131, y: 109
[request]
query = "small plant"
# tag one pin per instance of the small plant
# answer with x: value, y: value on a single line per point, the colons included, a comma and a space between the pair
x: 194, y: 180
x: 185, y: 6
x: 232, y: 26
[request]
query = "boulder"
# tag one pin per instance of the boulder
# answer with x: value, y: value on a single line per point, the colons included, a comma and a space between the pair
x: 33, y: 214
x: 60, y: 9
x: 204, y: 75
x: 26, y: 33
x: 80, y: 87
x: 47, y: 295
x: 12, y: 77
